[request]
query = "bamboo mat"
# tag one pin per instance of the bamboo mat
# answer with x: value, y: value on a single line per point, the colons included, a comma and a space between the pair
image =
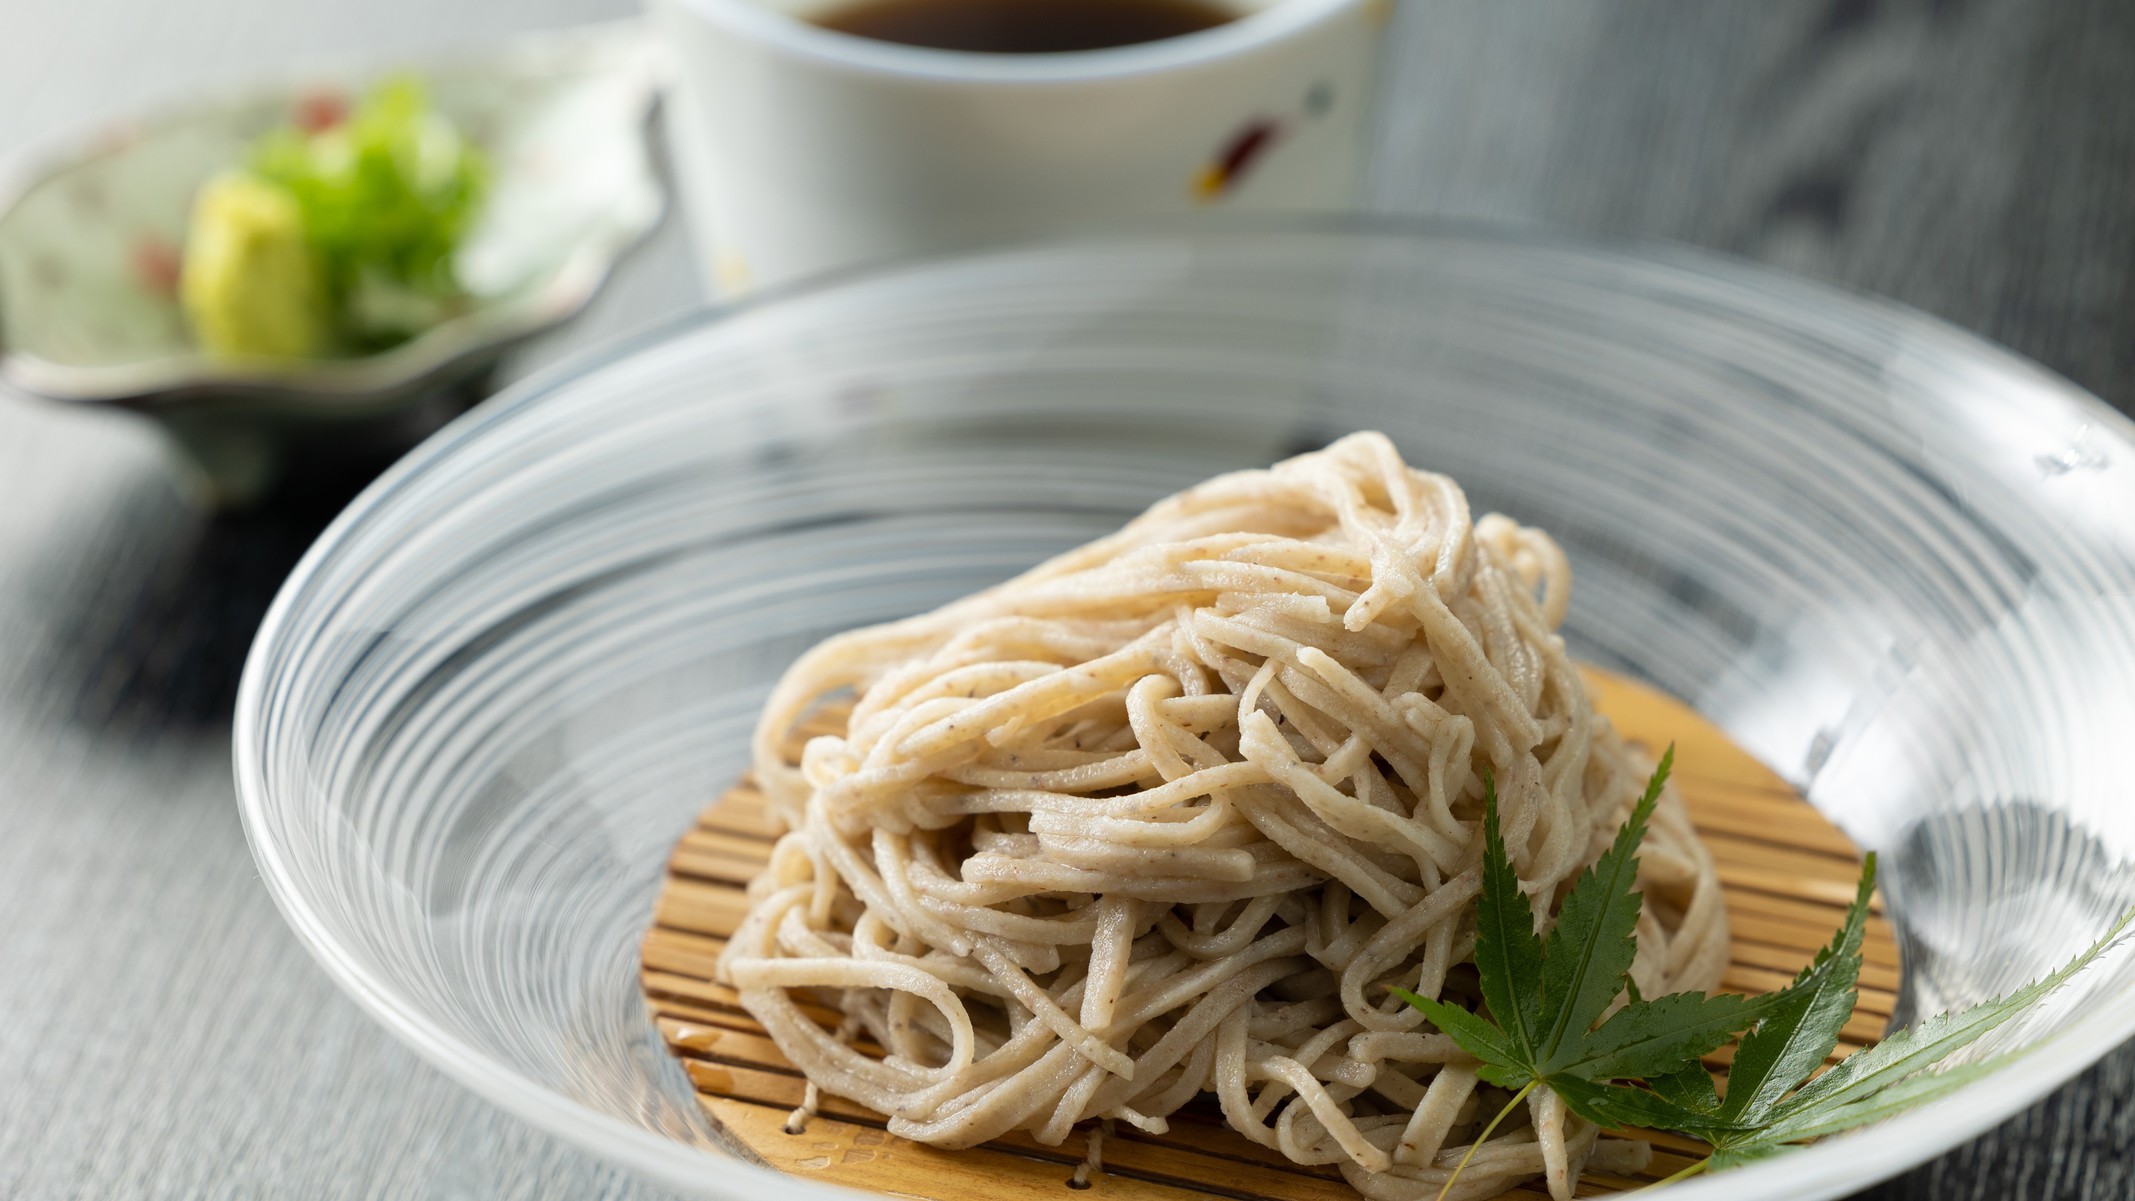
x: 1787, y: 874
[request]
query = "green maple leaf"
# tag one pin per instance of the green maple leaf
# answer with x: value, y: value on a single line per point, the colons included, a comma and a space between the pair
x: 1775, y: 1100
x: 1892, y: 1076
x: 1802, y: 1027
x: 1546, y: 999
x: 1508, y: 956
x: 1796, y: 1030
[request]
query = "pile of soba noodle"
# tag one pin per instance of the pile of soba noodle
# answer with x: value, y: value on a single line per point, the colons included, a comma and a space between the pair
x: 1167, y: 815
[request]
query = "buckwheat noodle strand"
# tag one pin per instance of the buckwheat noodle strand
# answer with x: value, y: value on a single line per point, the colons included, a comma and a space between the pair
x: 1165, y: 815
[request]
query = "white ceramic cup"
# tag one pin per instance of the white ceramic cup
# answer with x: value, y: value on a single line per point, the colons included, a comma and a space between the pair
x: 801, y: 149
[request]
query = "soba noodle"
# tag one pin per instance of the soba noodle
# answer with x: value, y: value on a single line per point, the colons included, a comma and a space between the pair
x: 1166, y: 815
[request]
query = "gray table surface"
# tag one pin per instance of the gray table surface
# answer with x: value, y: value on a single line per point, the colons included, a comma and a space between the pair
x: 163, y: 1035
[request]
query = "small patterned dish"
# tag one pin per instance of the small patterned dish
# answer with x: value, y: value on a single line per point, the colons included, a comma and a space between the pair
x: 90, y: 237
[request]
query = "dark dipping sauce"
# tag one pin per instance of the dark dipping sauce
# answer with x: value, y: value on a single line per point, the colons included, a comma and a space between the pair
x: 1023, y: 26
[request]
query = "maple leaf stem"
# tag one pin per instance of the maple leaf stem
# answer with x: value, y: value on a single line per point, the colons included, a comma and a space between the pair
x: 1480, y: 1139
x: 1684, y: 1174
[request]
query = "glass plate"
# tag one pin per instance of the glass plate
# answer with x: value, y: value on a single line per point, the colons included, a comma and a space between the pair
x: 1895, y: 563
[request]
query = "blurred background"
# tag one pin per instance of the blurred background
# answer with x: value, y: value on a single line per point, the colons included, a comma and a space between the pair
x: 161, y: 1032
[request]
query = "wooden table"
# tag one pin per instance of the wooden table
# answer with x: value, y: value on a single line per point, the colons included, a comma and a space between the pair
x: 162, y: 1034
